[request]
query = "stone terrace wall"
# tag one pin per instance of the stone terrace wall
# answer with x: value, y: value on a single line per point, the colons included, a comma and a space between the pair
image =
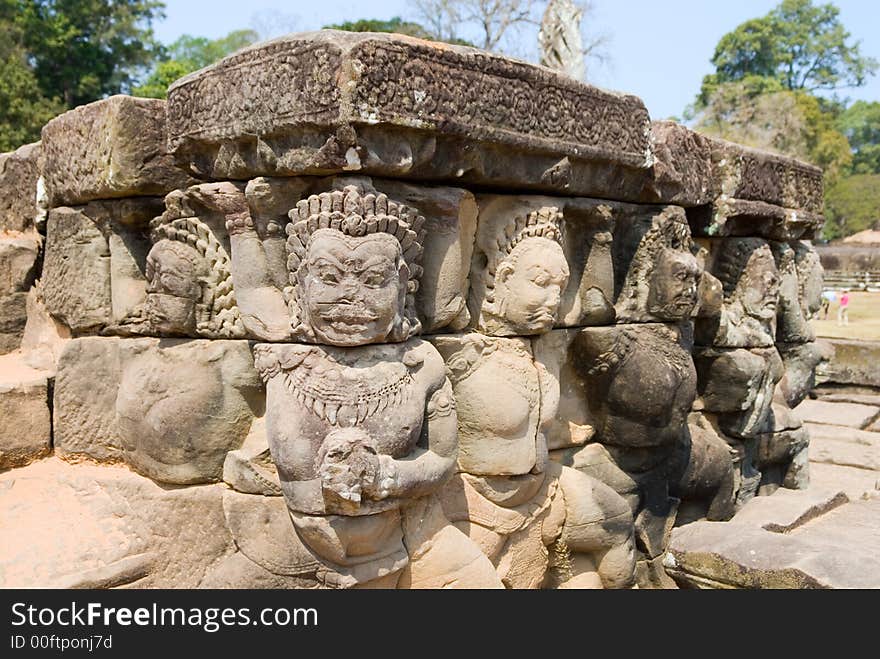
x: 462, y: 320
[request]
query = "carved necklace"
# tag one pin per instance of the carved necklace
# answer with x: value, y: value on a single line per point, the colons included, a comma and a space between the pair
x: 346, y: 396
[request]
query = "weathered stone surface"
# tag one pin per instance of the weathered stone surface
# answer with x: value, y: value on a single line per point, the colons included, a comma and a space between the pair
x: 329, y: 102
x: 172, y: 409
x: 848, y: 454
x: 19, y: 173
x: 18, y: 256
x: 85, y: 526
x: 25, y: 426
x: 801, y: 362
x: 786, y: 510
x: 855, y: 362
x: 111, y: 148
x: 821, y: 431
x: 847, y: 397
x: 95, y: 263
x: 13, y: 317
x: 76, y: 271
x: 522, y: 240
x: 739, y: 191
x: 44, y: 337
x: 750, y: 281
x: 851, y: 415
x: 853, y: 481
x: 810, y: 556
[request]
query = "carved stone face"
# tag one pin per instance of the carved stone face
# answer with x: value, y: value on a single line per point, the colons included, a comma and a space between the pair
x: 173, y: 288
x: 811, y: 287
x: 352, y: 289
x: 758, y: 288
x: 529, y: 285
x: 674, y: 285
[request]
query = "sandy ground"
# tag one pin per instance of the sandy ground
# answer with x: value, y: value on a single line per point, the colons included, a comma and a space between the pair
x: 864, y: 318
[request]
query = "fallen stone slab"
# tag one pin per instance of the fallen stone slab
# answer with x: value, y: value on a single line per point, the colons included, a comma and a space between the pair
x: 853, y: 481
x: 25, y: 423
x: 821, y: 432
x: 388, y: 105
x: 786, y: 510
x: 848, y: 454
x: 87, y: 526
x: 19, y: 173
x: 111, y: 148
x: 860, y: 399
x: 855, y: 362
x: 837, y: 414
x: 840, y: 549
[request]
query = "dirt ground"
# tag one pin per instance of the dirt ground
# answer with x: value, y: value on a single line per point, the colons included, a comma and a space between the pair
x: 864, y: 318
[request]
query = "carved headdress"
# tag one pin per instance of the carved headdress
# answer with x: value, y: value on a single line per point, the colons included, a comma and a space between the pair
x: 194, y: 241
x: 355, y: 213
x: 669, y: 230
x: 545, y: 222
x: 733, y: 258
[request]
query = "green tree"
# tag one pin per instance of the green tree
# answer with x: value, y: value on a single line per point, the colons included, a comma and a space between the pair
x: 395, y: 25
x: 761, y: 113
x: 860, y: 123
x: 83, y: 50
x: 802, y: 45
x: 852, y: 205
x: 23, y: 108
x: 189, y: 54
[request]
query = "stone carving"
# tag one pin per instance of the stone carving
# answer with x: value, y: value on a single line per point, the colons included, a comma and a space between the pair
x: 662, y: 281
x: 171, y: 409
x: 571, y: 236
x: 383, y: 105
x: 353, y: 271
x: 358, y: 433
x: 750, y: 279
x: 800, y: 292
x: 507, y: 497
x: 19, y: 173
x: 525, y: 276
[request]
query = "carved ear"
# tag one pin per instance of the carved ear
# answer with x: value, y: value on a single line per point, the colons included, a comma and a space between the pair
x: 502, y: 274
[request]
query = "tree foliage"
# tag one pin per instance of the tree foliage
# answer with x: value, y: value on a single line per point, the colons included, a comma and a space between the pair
x: 83, y: 50
x: 860, y: 123
x: 801, y: 45
x: 189, y: 54
x: 852, y: 205
x: 395, y: 25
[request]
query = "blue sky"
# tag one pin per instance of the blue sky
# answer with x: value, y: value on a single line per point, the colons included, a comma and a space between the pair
x: 659, y: 49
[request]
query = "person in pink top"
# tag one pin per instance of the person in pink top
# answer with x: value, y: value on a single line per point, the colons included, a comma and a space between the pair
x: 843, y: 309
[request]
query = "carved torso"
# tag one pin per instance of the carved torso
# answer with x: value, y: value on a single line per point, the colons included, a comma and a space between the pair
x: 498, y: 402
x: 314, y: 390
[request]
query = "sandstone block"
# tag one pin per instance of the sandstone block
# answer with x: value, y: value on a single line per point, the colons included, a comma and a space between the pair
x: 19, y: 173
x: 13, y: 317
x: 111, y: 148
x: 86, y: 526
x: 786, y: 510
x: 18, y: 256
x: 25, y: 425
x: 855, y: 362
x: 172, y: 409
x: 332, y: 102
x: 851, y: 415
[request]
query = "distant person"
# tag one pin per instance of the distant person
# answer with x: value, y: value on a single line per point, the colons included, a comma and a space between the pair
x: 843, y: 309
x: 827, y: 298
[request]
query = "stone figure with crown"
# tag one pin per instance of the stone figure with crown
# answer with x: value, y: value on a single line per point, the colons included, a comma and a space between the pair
x: 362, y: 435
x: 542, y: 524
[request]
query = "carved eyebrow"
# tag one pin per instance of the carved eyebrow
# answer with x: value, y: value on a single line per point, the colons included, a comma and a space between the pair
x: 376, y: 260
x: 327, y: 261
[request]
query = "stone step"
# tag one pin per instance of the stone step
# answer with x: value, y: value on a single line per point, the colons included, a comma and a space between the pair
x: 853, y: 481
x: 786, y: 510
x: 821, y: 432
x: 852, y: 415
x: 849, y: 454
x: 840, y: 549
x: 25, y: 421
x: 860, y: 399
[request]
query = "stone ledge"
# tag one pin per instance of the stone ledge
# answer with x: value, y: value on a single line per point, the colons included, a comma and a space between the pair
x: 333, y: 102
